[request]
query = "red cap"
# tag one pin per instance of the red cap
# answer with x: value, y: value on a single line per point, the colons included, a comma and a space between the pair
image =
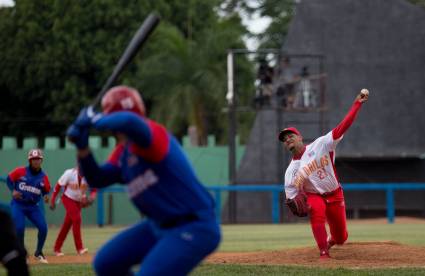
x: 35, y: 154
x: 286, y: 130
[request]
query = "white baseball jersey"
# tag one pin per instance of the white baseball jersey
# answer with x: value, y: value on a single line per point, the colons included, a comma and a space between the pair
x: 73, y: 188
x: 315, y: 170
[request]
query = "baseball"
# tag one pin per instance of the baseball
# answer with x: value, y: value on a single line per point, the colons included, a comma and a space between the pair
x: 364, y: 91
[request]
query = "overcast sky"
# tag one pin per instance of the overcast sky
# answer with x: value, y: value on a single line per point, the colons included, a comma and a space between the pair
x: 255, y: 25
x: 6, y: 2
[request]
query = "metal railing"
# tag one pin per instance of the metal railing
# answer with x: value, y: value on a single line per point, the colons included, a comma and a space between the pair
x: 276, y: 189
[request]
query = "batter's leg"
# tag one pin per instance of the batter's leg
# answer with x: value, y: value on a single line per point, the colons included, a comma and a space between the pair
x: 126, y: 249
x: 181, y: 249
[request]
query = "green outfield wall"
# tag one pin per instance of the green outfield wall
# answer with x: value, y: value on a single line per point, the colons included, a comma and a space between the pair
x: 210, y: 163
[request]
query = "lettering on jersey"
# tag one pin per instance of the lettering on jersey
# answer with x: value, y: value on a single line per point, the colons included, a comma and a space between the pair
x: 324, y: 161
x: 31, y: 189
x: 299, y: 180
x: 313, y: 167
x: 141, y: 183
x: 75, y: 186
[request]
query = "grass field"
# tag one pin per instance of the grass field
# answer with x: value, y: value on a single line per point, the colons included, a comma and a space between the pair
x: 237, y: 238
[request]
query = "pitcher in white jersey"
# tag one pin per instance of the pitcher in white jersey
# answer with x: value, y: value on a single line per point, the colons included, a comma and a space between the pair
x: 74, y: 198
x: 312, y: 169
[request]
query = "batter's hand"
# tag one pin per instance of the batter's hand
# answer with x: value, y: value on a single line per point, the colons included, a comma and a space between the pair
x: 86, y: 117
x: 46, y: 199
x: 79, y: 136
x: 16, y: 194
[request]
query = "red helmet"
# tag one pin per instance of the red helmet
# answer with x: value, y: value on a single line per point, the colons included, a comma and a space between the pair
x: 123, y: 98
x: 35, y: 154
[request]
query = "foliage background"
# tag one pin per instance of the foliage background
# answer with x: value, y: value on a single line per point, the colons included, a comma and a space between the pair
x: 56, y: 55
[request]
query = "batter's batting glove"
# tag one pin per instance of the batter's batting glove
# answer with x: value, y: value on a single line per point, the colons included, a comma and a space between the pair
x: 79, y: 136
x: 87, y: 117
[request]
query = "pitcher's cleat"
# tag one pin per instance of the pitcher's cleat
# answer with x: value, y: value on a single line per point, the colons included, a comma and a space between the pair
x: 324, y: 255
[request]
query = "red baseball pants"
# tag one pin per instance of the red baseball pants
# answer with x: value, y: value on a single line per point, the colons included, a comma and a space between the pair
x: 72, y: 218
x: 330, y: 208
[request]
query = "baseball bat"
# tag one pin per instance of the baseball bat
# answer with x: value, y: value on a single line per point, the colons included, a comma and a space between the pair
x: 135, y: 44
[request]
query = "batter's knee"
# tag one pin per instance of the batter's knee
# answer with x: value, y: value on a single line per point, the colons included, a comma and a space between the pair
x: 100, y: 266
x: 103, y: 265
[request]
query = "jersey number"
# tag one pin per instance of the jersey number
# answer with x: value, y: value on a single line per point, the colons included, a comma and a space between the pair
x: 321, y: 173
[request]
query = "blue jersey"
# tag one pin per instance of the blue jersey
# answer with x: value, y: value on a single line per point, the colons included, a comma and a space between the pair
x: 31, y: 185
x: 159, y: 179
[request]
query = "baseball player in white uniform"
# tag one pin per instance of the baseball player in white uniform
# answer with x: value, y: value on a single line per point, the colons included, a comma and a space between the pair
x: 74, y: 198
x: 312, y: 171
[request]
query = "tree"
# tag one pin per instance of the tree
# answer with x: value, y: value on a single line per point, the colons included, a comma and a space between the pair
x: 57, y: 54
x: 193, y: 92
x: 420, y: 3
x: 279, y: 11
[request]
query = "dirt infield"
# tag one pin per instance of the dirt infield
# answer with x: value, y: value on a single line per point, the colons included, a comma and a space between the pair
x: 351, y: 255
x: 67, y: 259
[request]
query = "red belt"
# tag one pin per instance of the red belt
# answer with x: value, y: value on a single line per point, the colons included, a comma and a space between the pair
x: 331, y: 193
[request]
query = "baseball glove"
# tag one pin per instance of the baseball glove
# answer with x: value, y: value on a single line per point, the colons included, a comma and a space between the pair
x: 298, y: 205
x: 86, y: 202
